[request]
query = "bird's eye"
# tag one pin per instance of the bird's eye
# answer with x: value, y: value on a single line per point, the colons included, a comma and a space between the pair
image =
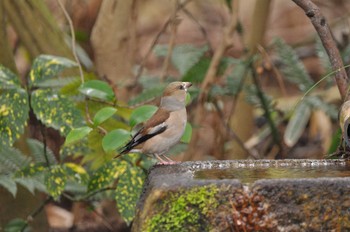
x: 181, y: 87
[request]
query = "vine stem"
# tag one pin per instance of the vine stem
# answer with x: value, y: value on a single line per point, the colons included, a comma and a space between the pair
x: 74, y: 49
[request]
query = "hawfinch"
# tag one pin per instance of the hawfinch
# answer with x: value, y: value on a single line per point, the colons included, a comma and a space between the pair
x: 165, y: 128
x: 344, y: 121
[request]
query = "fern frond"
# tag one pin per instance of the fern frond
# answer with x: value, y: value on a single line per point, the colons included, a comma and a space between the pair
x: 12, y: 160
x: 37, y: 151
x: 292, y: 68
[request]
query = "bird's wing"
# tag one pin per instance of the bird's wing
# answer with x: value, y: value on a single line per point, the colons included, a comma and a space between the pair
x: 152, y: 127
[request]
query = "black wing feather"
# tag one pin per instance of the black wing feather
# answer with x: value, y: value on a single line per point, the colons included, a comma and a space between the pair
x: 137, y: 139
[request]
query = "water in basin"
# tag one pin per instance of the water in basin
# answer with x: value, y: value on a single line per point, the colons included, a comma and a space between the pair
x: 251, y: 174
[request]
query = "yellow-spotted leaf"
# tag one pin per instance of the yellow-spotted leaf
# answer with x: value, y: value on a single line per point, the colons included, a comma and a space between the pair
x: 47, y: 66
x: 56, y: 111
x: 107, y: 174
x: 14, y: 110
x: 128, y: 192
x: 31, y: 170
x: 103, y: 114
x: 8, y: 80
x: 55, y: 181
x: 77, y: 172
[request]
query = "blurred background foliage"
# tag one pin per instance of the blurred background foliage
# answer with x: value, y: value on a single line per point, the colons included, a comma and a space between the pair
x: 261, y: 91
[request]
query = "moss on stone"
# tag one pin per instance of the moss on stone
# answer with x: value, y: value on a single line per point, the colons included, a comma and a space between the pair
x: 185, y: 210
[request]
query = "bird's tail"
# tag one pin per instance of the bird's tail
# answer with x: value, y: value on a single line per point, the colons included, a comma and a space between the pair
x: 125, y: 149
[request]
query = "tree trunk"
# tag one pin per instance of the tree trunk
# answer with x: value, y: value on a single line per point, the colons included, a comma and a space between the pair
x: 36, y: 28
x: 113, y: 41
x: 6, y: 58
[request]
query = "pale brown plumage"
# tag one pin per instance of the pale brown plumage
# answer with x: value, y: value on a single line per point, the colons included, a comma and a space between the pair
x: 166, y: 127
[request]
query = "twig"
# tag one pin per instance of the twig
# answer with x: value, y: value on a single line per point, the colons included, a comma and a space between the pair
x: 88, y: 195
x: 321, y: 26
x: 280, y: 82
x: 43, y: 134
x: 70, y: 23
x: 233, y: 134
x: 174, y: 22
x: 155, y: 41
x: 31, y: 216
x: 74, y: 50
x: 88, y: 118
x: 201, y: 28
x: 226, y: 42
x: 267, y: 113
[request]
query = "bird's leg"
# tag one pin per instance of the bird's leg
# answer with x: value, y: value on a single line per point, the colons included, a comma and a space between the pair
x: 170, y: 161
x: 164, y: 162
x: 167, y: 158
x: 160, y: 159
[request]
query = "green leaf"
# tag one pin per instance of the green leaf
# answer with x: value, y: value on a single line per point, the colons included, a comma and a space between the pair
x: 56, y: 111
x: 55, y: 181
x: 147, y: 95
x: 97, y: 89
x: 186, y: 137
x: 185, y: 56
x: 37, y: 151
x: 9, y: 184
x: 107, y: 174
x: 115, y: 139
x: 46, y: 67
x: 8, y: 80
x: 16, y: 225
x: 77, y: 134
x: 293, y: 69
x: 128, y: 192
x: 14, y: 111
x: 297, y: 124
x: 104, y: 114
x: 188, y: 98
x: 197, y: 72
x: 141, y: 114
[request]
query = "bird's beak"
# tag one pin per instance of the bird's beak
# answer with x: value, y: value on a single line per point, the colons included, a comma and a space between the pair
x: 187, y: 85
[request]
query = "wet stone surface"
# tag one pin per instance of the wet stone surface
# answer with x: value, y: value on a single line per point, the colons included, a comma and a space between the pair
x: 264, y: 195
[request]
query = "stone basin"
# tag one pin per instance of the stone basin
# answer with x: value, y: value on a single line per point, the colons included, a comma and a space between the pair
x: 246, y: 195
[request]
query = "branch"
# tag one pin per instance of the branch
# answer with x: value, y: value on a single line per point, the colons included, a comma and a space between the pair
x: 321, y: 26
x: 174, y: 22
x: 156, y: 39
x: 226, y: 43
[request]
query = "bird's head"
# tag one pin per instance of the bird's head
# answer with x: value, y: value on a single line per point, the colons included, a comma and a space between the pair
x: 174, y: 95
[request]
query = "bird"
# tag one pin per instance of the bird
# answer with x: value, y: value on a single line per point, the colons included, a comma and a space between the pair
x: 165, y: 127
x: 344, y: 121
